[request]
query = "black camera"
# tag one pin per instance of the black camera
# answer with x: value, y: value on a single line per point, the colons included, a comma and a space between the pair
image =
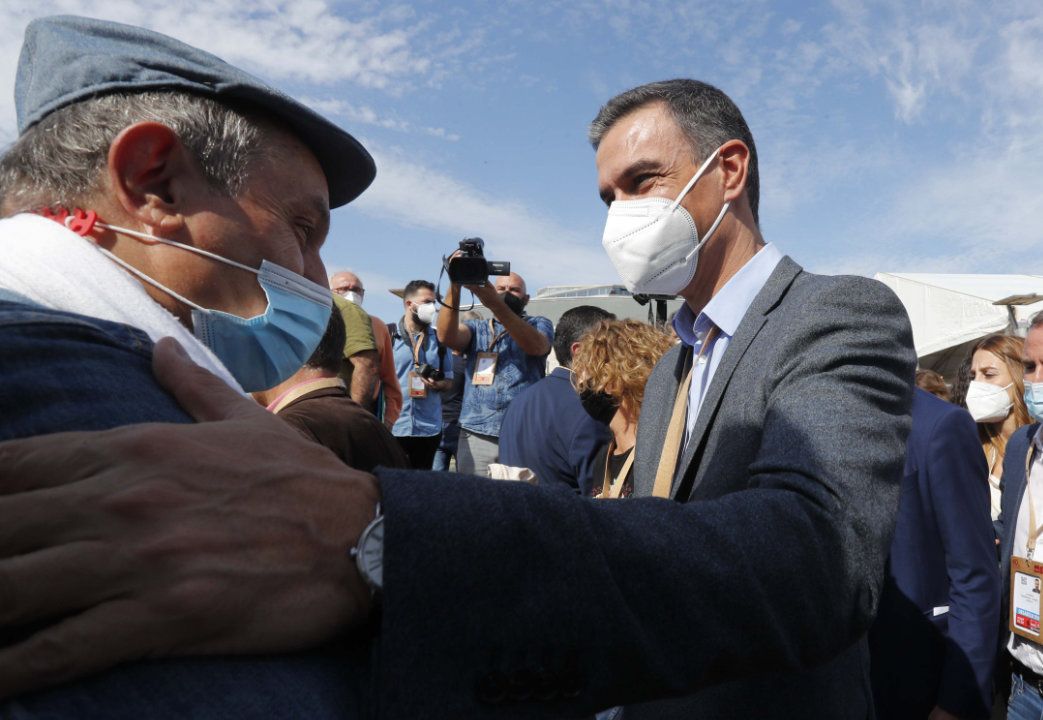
x: 471, y: 268
x: 429, y: 372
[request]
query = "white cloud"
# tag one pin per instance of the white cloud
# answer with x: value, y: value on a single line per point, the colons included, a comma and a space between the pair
x: 366, y: 115
x: 545, y: 252
x: 281, y: 40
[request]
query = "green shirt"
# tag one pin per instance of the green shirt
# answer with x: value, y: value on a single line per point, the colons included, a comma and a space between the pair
x: 359, y: 330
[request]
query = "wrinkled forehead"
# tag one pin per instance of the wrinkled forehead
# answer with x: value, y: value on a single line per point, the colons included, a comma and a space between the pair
x: 511, y: 283
x: 347, y: 281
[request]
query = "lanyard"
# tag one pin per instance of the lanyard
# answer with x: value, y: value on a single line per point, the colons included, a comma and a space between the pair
x: 417, y: 344
x: 664, y: 477
x: 610, y: 488
x: 496, y: 338
x: 1034, y: 530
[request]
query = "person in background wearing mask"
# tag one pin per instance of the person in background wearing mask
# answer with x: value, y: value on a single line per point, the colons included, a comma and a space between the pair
x: 1019, y: 528
x: 505, y: 355
x: 610, y: 369
x: 545, y: 428
x: 423, y: 372
x: 368, y: 367
x: 995, y: 399
x: 315, y: 401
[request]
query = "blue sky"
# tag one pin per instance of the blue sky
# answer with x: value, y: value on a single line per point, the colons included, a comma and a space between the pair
x: 893, y: 136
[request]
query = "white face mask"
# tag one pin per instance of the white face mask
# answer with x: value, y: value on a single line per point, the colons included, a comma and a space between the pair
x: 426, y: 313
x: 653, y: 242
x: 352, y: 296
x: 987, y: 402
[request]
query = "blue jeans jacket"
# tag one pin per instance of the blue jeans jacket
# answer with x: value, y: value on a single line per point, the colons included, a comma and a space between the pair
x: 60, y: 371
x: 484, y: 405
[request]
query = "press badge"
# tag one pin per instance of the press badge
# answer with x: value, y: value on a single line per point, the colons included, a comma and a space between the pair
x: 417, y: 389
x: 484, y: 369
x: 1025, y: 577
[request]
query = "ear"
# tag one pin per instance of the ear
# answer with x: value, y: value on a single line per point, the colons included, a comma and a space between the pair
x: 148, y: 168
x: 573, y: 348
x: 735, y: 163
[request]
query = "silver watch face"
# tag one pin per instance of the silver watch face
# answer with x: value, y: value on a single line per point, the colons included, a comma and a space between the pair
x: 370, y: 558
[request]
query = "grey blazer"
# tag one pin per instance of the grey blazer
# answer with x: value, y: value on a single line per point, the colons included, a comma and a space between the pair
x: 808, y: 411
x: 748, y: 598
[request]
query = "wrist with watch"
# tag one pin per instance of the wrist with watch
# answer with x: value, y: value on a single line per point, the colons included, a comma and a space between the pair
x: 368, y: 553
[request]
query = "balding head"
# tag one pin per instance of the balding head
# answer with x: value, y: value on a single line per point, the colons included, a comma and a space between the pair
x: 344, y: 282
x: 514, y: 284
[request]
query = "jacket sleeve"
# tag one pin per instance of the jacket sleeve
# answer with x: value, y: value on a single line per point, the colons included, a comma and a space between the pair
x: 590, y: 437
x: 958, y: 481
x: 504, y: 601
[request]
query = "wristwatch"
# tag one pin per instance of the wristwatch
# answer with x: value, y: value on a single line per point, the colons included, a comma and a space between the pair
x: 369, y: 553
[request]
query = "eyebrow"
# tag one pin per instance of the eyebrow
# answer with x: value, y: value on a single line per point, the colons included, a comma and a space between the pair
x: 635, y: 168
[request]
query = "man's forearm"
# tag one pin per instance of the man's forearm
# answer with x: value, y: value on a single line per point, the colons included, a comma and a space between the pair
x: 364, y: 377
x: 448, y: 327
x: 529, y: 339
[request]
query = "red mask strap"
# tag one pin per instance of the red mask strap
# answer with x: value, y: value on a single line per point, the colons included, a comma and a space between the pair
x: 80, y: 221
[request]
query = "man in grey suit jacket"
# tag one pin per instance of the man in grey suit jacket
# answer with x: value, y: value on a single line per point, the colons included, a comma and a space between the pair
x: 743, y: 591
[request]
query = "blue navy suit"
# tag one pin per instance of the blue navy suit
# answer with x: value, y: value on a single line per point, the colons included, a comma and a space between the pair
x: 934, y: 639
x: 547, y: 430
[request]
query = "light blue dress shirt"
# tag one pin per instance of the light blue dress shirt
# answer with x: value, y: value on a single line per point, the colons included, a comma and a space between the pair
x: 726, y: 310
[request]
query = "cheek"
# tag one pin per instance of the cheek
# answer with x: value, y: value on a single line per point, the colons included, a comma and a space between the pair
x: 314, y: 269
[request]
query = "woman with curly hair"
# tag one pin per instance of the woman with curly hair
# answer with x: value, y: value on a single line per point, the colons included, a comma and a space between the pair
x: 995, y: 399
x: 609, y: 370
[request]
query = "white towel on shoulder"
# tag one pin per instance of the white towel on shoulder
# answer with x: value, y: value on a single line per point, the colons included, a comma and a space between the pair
x: 46, y: 264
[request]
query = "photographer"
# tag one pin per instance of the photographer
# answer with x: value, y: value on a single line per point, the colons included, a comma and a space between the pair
x: 505, y: 355
x: 424, y: 371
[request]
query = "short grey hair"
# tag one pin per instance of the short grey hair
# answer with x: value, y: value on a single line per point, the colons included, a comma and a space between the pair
x: 706, y: 116
x: 59, y: 161
x: 1036, y: 320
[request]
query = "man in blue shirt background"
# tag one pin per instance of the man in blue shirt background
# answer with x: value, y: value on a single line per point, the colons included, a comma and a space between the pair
x: 546, y: 428
x: 424, y: 371
x: 505, y: 355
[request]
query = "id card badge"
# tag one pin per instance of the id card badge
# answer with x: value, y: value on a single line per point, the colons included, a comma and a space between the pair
x: 1025, y: 578
x: 484, y: 369
x: 417, y: 389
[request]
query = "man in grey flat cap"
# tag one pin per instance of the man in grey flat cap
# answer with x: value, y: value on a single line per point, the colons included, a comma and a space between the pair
x: 741, y: 589
x: 155, y: 191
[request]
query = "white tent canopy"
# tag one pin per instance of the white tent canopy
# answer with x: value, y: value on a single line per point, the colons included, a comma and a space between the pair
x: 950, y: 311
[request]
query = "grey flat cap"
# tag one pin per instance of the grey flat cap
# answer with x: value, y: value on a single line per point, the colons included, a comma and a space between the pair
x: 66, y: 59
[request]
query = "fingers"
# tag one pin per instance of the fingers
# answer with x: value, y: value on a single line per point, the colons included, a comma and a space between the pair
x: 98, y: 639
x: 47, y: 461
x: 33, y: 520
x: 202, y: 394
x: 57, y: 581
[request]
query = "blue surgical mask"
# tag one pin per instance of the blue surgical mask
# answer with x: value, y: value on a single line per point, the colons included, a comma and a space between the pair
x: 1034, y: 399
x: 262, y: 351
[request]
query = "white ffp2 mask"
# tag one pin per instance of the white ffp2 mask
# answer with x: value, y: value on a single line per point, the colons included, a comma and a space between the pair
x: 987, y: 402
x: 653, y: 242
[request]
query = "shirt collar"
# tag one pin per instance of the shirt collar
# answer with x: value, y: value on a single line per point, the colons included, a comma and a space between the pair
x: 727, y: 308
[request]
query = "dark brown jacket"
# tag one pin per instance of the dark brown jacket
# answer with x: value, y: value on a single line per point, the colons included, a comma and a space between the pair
x: 331, y: 418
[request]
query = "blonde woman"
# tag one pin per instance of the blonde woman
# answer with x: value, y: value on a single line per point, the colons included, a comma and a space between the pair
x: 609, y: 370
x: 995, y: 399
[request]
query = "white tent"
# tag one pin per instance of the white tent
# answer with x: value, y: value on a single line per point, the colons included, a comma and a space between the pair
x: 951, y: 312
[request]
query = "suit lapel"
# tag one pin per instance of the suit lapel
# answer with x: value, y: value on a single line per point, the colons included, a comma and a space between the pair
x: 751, y: 324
